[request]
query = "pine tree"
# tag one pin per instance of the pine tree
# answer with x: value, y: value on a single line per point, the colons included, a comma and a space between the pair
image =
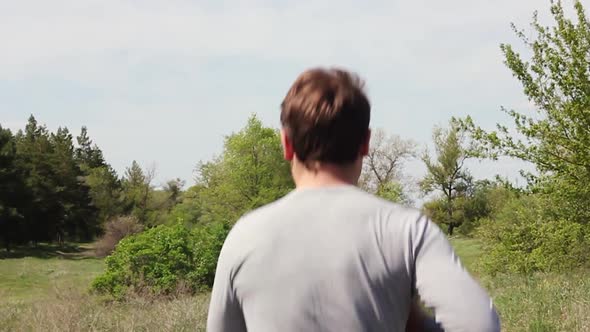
x: 12, y: 193
x: 100, y: 177
x: 44, y: 212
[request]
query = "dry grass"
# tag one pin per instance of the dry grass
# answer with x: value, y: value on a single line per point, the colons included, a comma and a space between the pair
x: 71, y: 310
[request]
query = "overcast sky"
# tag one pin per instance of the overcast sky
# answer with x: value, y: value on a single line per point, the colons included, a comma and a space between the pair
x: 163, y: 81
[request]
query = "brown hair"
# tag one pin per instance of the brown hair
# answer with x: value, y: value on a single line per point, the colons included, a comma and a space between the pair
x: 326, y: 116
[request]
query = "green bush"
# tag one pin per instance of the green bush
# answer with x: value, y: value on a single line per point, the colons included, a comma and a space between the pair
x: 560, y: 246
x: 207, y: 243
x: 467, y: 227
x: 520, y: 237
x: 163, y: 260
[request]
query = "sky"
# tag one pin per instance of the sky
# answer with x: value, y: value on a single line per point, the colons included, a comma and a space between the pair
x: 162, y: 82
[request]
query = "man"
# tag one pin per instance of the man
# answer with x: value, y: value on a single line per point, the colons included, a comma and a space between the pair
x: 330, y: 257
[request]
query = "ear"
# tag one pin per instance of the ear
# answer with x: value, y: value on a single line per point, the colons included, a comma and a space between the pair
x: 287, y: 146
x: 364, y: 151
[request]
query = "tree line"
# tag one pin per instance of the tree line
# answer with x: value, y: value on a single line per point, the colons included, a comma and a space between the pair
x: 54, y: 187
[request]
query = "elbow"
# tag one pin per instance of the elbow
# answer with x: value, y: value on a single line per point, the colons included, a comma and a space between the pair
x: 489, y: 322
x: 476, y: 320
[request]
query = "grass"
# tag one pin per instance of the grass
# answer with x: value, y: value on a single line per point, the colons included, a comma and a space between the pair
x: 77, y: 311
x: 30, y: 278
x: 539, y: 302
x: 46, y: 289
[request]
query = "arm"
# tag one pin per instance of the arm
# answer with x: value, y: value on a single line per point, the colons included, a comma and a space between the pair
x: 420, y: 321
x: 459, y: 302
x: 225, y: 312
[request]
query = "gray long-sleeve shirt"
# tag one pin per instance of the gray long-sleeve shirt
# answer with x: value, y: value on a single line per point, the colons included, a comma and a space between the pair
x: 339, y: 259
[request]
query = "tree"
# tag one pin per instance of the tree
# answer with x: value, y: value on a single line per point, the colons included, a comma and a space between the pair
x: 382, y: 167
x: 474, y: 201
x: 137, y: 187
x: 78, y: 219
x: 44, y: 211
x: 162, y: 201
x: 106, y: 192
x: 13, y: 192
x: 88, y: 155
x: 447, y: 173
x: 174, y: 190
x: 105, y: 185
x: 556, y: 80
x: 249, y: 173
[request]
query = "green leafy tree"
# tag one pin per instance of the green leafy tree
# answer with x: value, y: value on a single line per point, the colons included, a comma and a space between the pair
x: 250, y: 173
x: 189, y: 210
x: 474, y: 201
x: 137, y: 186
x: 106, y: 192
x: 173, y: 190
x: 556, y: 80
x: 447, y: 173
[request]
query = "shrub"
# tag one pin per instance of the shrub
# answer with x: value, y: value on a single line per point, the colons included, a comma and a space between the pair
x: 115, y: 230
x: 521, y: 238
x: 164, y: 260
x: 467, y: 227
x: 207, y: 243
x: 560, y: 246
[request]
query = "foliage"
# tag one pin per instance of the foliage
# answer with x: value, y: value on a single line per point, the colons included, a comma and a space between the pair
x: 106, y: 192
x: 447, y: 173
x: 556, y: 80
x: 249, y: 173
x: 478, y: 200
x: 12, y: 192
x: 188, y: 210
x: 55, y: 203
x: 541, y: 301
x: 521, y: 237
x: 163, y: 260
x: 207, y: 243
x: 53, y: 190
x: 138, y: 191
x: 393, y: 192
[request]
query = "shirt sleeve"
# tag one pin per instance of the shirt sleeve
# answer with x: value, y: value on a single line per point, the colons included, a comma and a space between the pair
x: 458, y: 301
x: 225, y: 312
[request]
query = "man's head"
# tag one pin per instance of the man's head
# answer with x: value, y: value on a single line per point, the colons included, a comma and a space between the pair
x: 325, y: 118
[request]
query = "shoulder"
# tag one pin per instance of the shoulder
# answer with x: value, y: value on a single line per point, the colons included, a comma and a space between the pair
x: 250, y: 227
x: 391, y: 211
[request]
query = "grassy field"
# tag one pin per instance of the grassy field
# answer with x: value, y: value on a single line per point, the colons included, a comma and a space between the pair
x: 47, y: 290
x: 539, y: 302
x: 40, y: 273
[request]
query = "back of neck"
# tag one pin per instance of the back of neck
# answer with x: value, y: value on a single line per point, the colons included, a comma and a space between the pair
x: 322, y: 175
